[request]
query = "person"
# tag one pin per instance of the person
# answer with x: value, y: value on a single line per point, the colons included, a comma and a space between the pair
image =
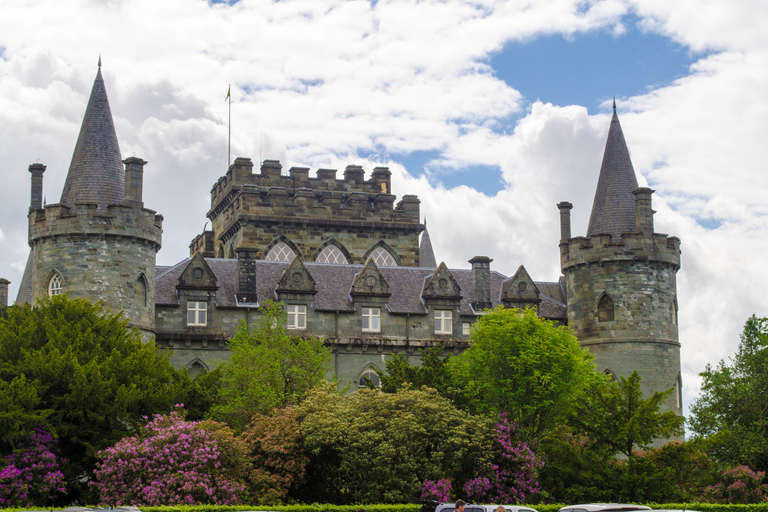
x: 460, y: 504
x: 500, y: 508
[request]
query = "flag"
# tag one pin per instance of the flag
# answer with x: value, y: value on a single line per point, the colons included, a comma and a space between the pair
x: 228, y: 91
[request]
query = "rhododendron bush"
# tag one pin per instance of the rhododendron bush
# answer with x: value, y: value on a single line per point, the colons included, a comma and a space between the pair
x: 173, y: 462
x: 32, y: 475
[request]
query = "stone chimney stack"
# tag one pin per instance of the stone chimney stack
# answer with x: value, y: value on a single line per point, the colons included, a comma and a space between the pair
x: 4, y: 292
x: 246, y: 275
x: 481, y: 275
x: 134, y: 179
x: 36, y: 202
x: 643, y: 210
x: 565, y: 220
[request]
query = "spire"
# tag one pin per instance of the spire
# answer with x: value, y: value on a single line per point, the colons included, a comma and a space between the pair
x: 613, y: 210
x: 96, y: 173
x: 426, y: 254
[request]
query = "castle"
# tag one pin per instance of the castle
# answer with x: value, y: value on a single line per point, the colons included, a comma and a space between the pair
x: 349, y: 262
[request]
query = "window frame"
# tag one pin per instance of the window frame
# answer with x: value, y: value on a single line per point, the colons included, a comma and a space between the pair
x: 198, y: 308
x: 296, y: 312
x: 373, y: 316
x: 466, y: 328
x: 55, y: 279
x: 446, y: 319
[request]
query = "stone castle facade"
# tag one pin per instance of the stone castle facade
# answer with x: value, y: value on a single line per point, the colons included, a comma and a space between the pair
x: 349, y: 263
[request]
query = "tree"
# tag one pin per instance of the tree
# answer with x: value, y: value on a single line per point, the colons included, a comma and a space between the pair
x: 732, y: 410
x: 172, y: 461
x: 268, y: 369
x: 524, y: 366
x: 382, y: 447
x: 81, y: 374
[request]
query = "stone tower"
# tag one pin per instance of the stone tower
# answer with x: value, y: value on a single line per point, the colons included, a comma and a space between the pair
x: 98, y: 242
x: 620, y: 279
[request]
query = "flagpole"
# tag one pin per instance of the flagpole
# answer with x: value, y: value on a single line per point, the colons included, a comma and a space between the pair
x: 229, y: 134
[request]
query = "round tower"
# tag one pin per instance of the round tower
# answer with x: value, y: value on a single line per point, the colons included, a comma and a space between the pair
x: 620, y: 279
x: 98, y: 242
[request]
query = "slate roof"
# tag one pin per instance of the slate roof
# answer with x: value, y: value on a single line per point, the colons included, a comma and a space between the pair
x: 333, y: 283
x: 613, y: 210
x: 426, y: 253
x: 96, y: 174
x: 24, y: 295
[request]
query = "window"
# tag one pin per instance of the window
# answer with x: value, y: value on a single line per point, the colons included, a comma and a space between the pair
x: 197, y: 313
x: 331, y: 254
x: 281, y: 252
x: 371, y: 320
x: 54, y: 285
x: 443, y: 321
x: 465, y: 326
x: 369, y: 375
x: 605, y: 309
x: 140, y: 292
x: 297, y: 316
x: 382, y: 257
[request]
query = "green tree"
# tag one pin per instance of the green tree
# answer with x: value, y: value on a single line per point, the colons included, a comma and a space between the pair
x: 526, y: 366
x: 731, y: 412
x: 81, y: 374
x: 372, y: 447
x: 268, y: 369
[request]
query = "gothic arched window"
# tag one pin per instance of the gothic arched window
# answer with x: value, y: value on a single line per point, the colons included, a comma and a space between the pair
x: 331, y: 254
x: 55, y: 284
x: 382, y: 257
x: 369, y: 375
x: 140, y: 292
x: 605, y: 309
x: 281, y: 251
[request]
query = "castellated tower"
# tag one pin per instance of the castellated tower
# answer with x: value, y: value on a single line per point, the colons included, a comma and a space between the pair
x: 98, y: 242
x: 620, y: 279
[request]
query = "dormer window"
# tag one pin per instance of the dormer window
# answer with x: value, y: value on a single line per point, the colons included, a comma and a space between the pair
x: 297, y: 316
x: 443, y: 321
x: 371, y: 320
x: 197, y: 313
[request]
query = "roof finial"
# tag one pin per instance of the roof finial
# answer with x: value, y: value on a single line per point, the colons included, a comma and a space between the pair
x: 614, y: 103
x: 99, y: 60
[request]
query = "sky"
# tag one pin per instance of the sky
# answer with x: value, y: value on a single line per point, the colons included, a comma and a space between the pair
x: 491, y: 111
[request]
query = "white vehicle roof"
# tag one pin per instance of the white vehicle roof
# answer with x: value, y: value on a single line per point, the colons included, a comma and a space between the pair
x: 603, y: 507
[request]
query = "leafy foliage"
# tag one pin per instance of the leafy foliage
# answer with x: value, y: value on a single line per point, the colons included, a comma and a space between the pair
x: 171, y: 462
x: 278, y: 461
x: 268, y: 369
x: 525, y: 366
x: 738, y: 485
x: 433, y: 372
x: 32, y: 475
x: 80, y: 373
x: 382, y: 447
x: 732, y: 410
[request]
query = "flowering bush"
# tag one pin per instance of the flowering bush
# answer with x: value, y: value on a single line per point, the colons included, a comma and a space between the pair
x: 512, y: 475
x: 32, y: 475
x: 438, y: 491
x: 740, y: 485
x: 173, y: 462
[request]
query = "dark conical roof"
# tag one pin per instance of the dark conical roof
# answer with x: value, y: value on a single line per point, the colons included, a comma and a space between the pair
x: 96, y: 174
x: 426, y: 254
x: 613, y: 210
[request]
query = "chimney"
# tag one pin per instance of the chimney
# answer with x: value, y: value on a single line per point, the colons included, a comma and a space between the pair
x: 246, y: 275
x: 481, y: 275
x: 36, y: 202
x: 4, y: 292
x: 134, y: 179
x: 643, y: 211
x: 565, y: 220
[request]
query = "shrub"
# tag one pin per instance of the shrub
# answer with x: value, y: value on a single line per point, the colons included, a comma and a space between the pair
x: 739, y: 485
x: 32, y: 475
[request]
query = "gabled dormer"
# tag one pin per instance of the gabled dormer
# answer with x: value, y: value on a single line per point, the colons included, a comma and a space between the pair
x: 296, y: 282
x: 197, y: 275
x: 441, y: 286
x: 520, y: 291
x: 369, y: 283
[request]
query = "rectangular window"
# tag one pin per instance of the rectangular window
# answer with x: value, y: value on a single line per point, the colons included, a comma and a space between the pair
x: 443, y: 321
x: 197, y: 313
x: 371, y: 320
x: 297, y: 316
x: 465, y: 328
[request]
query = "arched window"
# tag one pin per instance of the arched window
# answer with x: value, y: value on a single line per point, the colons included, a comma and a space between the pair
x: 332, y: 254
x: 611, y: 376
x: 54, y: 284
x: 674, y: 311
x: 281, y: 251
x: 140, y: 292
x: 605, y: 309
x: 382, y: 257
x: 231, y: 252
x: 220, y: 252
x: 369, y: 375
x: 196, y: 367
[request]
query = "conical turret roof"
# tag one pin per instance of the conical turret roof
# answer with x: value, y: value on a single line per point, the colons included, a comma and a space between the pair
x: 96, y: 174
x: 426, y: 254
x: 613, y: 210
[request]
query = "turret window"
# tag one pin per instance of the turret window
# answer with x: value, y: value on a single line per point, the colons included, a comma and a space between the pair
x: 281, y: 252
x: 54, y: 285
x: 605, y: 309
x: 140, y: 292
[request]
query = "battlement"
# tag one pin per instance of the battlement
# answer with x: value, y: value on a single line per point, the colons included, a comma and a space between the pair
x: 654, y: 247
x: 125, y: 220
x: 241, y: 192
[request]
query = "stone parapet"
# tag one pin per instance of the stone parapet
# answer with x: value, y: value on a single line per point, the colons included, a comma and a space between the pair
x: 631, y: 247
